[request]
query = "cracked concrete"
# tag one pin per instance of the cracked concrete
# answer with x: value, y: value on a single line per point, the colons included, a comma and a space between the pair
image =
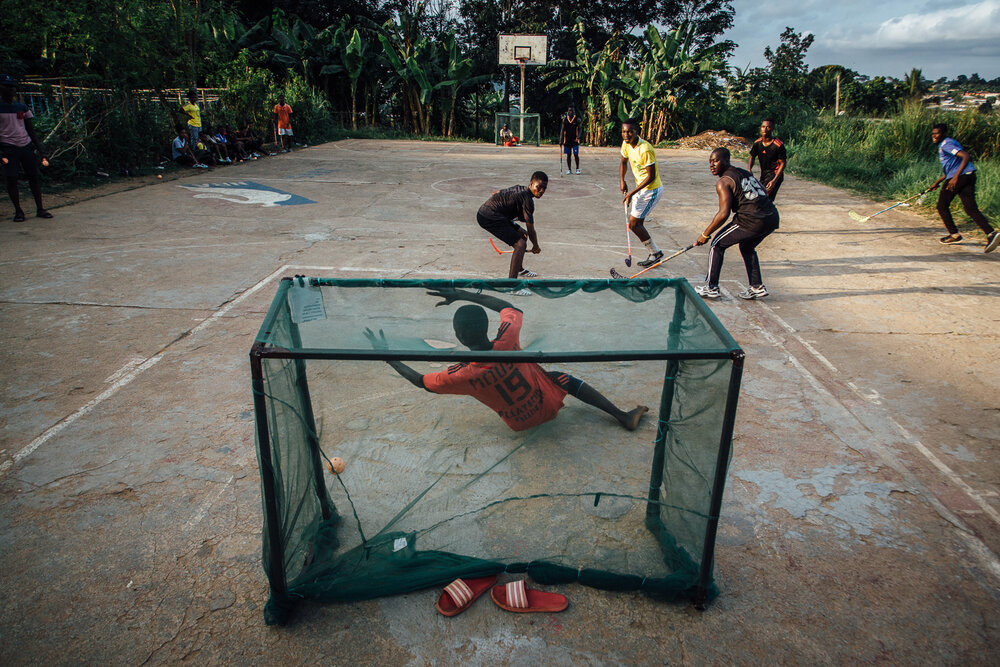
x: 860, y: 523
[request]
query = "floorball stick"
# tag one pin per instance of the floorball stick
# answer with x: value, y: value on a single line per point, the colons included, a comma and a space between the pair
x: 866, y: 218
x: 499, y: 251
x: 618, y: 276
x: 628, y: 239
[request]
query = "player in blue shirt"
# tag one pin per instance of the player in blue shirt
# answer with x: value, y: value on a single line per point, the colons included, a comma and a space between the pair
x: 960, y: 174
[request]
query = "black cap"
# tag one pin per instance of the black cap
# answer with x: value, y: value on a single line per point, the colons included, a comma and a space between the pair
x: 7, y: 80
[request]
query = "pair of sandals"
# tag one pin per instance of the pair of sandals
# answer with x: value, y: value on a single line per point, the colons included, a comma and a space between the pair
x: 461, y: 593
x: 41, y: 213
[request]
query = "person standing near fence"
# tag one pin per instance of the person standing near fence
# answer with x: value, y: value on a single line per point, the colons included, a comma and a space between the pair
x: 18, y: 143
x: 284, y: 114
x: 193, y: 112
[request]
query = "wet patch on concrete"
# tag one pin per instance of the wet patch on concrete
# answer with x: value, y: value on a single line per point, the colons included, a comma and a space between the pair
x: 839, y: 498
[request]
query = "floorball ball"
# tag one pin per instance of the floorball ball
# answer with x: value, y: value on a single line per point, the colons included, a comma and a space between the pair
x: 159, y: 175
x: 336, y: 465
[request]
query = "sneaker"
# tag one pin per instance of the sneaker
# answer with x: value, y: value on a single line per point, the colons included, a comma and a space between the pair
x: 18, y: 216
x: 578, y: 171
x: 42, y: 213
x: 569, y: 173
x: 992, y: 241
x: 527, y: 273
x: 522, y: 292
x: 707, y: 292
x: 652, y: 259
x: 951, y: 238
x: 753, y: 293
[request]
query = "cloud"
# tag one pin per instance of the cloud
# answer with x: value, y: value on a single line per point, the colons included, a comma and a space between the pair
x: 975, y: 26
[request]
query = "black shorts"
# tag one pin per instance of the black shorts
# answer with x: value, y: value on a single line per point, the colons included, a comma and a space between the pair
x: 500, y: 227
x: 22, y: 157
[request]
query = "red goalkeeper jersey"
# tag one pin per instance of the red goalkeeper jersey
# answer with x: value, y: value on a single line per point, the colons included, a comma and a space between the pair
x: 521, y: 393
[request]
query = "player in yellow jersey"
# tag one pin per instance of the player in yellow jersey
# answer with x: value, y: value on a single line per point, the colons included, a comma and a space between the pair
x: 639, y: 154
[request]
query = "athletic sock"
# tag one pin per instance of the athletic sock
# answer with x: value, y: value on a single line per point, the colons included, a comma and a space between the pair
x: 651, y: 246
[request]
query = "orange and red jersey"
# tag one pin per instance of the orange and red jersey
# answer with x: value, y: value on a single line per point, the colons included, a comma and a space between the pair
x: 521, y: 393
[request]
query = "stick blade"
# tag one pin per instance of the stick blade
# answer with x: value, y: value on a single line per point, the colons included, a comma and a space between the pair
x: 628, y: 261
x: 616, y: 275
x: 855, y: 216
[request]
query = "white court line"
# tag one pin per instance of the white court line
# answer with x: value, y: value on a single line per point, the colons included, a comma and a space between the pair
x: 126, y: 374
x: 985, y: 555
x: 207, y: 504
x: 874, y: 399
x: 132, y: 369
x: 125, y: 379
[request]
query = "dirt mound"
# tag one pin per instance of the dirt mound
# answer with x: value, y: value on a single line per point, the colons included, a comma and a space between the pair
x: 711, y: 139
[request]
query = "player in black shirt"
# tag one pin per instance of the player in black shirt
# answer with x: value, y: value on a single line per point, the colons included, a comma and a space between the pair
x: 771, y: 152
x: 569, y: 137
x: 754, y: 217
x: 497, y: 216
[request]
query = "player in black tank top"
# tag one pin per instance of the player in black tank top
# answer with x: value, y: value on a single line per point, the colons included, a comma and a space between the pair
x: 754, y: 217
x: 771, y: 152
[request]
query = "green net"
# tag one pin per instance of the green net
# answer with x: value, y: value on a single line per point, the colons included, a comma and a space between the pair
x: 439, y: 486
x: 524, y: 126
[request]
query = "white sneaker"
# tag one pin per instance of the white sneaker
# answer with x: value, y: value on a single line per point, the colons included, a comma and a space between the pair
x: 527, y: 273
x: 568, y: 172
x: 707, y: 292
x: 753, y: 293
x: 578, y: 171
x: 522, y: 292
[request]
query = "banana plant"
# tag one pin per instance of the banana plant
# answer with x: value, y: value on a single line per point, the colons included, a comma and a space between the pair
x: 458, y: 69
x: 354, y: 55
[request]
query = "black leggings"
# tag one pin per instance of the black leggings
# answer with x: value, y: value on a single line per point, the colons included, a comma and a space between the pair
x: 730, y: 235
x: 966, y: 191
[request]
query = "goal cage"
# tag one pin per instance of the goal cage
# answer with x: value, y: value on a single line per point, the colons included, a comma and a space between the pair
x: 438, y: 487
x: 525, y: 126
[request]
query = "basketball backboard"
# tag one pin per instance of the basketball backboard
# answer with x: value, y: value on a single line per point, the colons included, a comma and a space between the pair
x: 532, y: 48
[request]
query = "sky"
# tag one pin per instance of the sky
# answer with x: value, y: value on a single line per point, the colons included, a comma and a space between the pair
x: 885, y: 38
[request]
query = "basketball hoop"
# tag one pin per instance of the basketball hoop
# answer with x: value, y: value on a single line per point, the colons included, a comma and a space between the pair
x: 521, y: 62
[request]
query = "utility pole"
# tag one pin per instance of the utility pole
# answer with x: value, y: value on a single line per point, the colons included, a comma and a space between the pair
x: 836, y: 107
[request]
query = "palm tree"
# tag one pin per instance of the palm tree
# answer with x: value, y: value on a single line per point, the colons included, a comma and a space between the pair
x: 915, y: 84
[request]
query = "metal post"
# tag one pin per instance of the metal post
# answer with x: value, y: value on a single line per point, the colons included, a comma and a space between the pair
x: 666, y: 404
x: 276, y: 567
x: 312, y: 437
x: 721, y: 468
x: 524, y: 105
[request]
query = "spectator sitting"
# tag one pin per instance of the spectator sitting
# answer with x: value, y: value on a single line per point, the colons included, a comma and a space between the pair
x: 182, y: 153
x: 217, y: 148
x: 254, y: 144
x: 235, y: 145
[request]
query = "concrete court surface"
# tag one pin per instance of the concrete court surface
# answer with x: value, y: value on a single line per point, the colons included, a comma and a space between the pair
x: 861, y: 517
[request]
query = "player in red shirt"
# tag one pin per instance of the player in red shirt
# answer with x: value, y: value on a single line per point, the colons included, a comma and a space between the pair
x: 522, y: 394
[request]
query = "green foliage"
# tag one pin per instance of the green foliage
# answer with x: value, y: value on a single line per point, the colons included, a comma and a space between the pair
x: 895, y: 158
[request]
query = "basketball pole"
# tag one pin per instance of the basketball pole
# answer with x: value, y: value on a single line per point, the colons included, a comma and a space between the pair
x: 524, y: 106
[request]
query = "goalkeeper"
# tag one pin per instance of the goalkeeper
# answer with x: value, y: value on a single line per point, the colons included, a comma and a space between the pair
x: 522, y: 394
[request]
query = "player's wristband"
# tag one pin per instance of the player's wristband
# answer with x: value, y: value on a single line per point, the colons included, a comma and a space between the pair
x: 705, y: 236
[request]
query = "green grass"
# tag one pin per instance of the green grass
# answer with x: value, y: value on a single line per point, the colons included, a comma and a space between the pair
x: 896, y: 159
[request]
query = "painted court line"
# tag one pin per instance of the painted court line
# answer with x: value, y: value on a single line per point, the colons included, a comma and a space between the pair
x: 873, y: 398
x: 134, y: 368
x: 125, y: 375
x: 989, y: 560
x: 124, y: 380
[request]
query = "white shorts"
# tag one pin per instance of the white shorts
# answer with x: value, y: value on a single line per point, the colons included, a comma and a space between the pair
x: 284, y: 131
x: 644, y: 201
